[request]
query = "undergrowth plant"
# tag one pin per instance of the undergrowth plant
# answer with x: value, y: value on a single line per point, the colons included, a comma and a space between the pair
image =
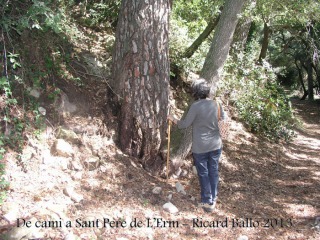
x: 19, y: 112
x: 105, y: 12
x: 260, y: 100
x: 267, y: 111
x: 5, y: 91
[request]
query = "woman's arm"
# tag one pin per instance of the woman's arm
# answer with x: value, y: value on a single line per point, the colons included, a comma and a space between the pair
x: 186, y: 121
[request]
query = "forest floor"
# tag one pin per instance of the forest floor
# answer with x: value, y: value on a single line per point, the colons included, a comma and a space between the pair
x: 267, y: 190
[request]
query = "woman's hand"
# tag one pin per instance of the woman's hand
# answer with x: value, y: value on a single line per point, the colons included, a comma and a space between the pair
x: 172, y: 119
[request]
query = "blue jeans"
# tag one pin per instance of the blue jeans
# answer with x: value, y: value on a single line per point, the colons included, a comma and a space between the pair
x: 207, y: 165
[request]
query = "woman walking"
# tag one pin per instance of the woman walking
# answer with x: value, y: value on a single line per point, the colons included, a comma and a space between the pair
x: 206, y: 141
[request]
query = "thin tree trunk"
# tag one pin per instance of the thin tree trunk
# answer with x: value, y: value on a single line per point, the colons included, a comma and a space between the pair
x: 141, y: 77
x: 242, y: 30
x: 222, y: 40
x: 265, y: 42
x: 305, y: 92
x: 183, y: 150
x: 310, y: 80
x: 203, y: 36
x: 317, y: 71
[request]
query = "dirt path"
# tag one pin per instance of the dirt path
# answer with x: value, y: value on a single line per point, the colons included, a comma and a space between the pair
x: 267, y: 191
x: 281, y: 182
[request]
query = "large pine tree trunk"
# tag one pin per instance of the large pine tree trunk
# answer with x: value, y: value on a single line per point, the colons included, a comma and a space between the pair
x: 141, y: 77
x: 214, y: 62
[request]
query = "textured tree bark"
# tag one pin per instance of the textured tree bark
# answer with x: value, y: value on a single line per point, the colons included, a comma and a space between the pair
x: 222, y: 39
x: 265, y: 42
x: 308, y: 68
x: 310, y: 80
x: 305, y: 92
x: 317, y: 71
x: 141, y: 77
x: 183, y: 149
x: 241, y: 33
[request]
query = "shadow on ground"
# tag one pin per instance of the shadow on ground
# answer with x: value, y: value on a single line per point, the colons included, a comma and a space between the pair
x: 261, y: 180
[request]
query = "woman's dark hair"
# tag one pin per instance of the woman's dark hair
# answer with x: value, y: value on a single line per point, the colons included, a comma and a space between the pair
x: 200, y: 89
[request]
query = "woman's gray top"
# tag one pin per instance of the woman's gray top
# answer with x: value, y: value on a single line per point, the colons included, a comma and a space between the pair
x: 203, y: 116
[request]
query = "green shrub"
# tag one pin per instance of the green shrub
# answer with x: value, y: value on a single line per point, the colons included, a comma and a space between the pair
x: 104, y: 11
x: 261, y: 102
x: 267, y: 111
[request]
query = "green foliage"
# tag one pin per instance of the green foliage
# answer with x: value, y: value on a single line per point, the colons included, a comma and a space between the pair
x: 14, y: 60
x: 5, y: 86
x: 31, y: 31
x: 179, y: 41
x: 3, y: 183
x: 267, y: 111
x: 94, y: 14
x: 53, y: 95
x: 294, y: 36
x: 103, y: 12
x: 188, y: 20
x: 16, y: 123
x: 194, y: 14
x: 261, y: 102
x: 42, y: 15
